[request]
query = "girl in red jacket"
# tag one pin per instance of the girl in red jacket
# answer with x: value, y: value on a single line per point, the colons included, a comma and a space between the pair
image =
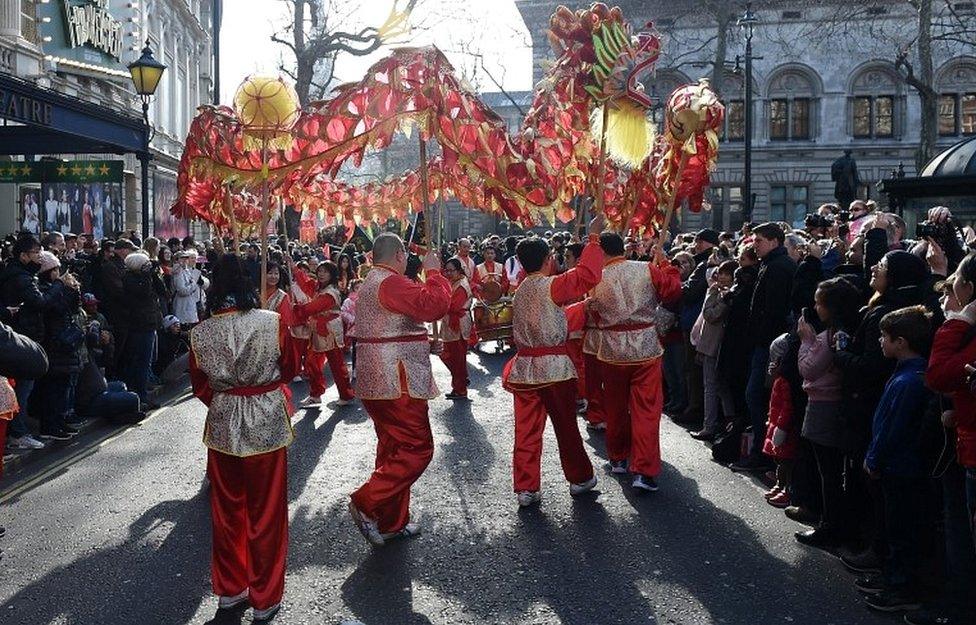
x: 782, y: 434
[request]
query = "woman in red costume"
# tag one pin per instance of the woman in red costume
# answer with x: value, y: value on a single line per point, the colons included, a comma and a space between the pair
x: 322, y: 314
x: 240, y: 369
x: 456, y: 329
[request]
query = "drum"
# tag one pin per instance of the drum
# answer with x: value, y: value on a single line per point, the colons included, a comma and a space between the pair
x: 491, y: 292
x: 494, y: 321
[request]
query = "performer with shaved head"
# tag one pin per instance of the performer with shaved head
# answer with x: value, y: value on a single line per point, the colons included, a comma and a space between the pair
x: 394, y: 382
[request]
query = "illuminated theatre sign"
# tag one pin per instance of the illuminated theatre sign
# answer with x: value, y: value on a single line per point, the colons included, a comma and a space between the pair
x: 90, y: 24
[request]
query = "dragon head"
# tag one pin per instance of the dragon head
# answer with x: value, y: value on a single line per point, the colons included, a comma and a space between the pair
x: 600, y: 38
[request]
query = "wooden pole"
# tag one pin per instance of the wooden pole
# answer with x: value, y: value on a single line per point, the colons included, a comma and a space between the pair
x: 596, y: 186
x: 673, y: 197
x: 234, y: 230
x: 265, y: 220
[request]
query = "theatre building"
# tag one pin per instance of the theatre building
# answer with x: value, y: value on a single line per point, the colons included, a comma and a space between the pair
x: 72, y: 133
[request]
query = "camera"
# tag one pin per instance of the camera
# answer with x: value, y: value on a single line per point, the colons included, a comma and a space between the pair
x: 843, y: 216
x: 938, y: 231
x: 814, y: 220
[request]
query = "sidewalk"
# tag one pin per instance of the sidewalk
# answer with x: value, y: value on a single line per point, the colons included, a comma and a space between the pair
x: 20, y: 463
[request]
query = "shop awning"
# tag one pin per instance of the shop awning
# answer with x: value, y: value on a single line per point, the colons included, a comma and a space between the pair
x: 43, y: 121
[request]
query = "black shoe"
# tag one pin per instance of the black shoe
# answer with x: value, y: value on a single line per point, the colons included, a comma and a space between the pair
x: 893, y: 600
x: 818, y: 538
x: 70, y: 429
x: 150, y: 405
x: 865, y: 562
x: 870, y: 584
x: 749, y: 464
x: 456, y: 397
x: 55, y: 435
x: 3, y: 531
x: 703, y: 435
x: 933, y: 617
x: 801, y: 515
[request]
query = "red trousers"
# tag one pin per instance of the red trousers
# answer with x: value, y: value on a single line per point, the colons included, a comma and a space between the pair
x: 531, y: 406
x: 315, y: 370
x: 595, y: 412
x: 249, y: 506
x: 633, y: 399
x: 299, y: 348
x: 575, y: 347
x: 404, y: 448
x: 455, y: 356
x: 3, y: 441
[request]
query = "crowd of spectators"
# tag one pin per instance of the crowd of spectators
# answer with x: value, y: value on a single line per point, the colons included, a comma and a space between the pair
x: 834, y: 361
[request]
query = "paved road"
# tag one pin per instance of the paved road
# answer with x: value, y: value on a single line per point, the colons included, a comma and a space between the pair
x: 122, y: 536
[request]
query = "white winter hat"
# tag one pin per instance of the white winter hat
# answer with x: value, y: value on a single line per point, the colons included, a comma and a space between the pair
x: 47, y: 261
x: 136, y: 261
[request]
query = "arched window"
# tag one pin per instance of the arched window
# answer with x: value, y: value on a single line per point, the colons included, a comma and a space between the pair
x: 732, y: 92
x: 956, y: 84
x: 792, y: 102
x: 875, y: 103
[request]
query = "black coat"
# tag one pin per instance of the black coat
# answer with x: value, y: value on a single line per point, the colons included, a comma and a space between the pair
x: 111, y: 292
x: 769, y: 311
x: 143, y: 290
x: 19, y: 287
x: 734, y: 354
x: 59, y: 323
x: 21, y: 358
x: 809, y: 274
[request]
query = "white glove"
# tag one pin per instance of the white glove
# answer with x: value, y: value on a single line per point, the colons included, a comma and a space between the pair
x: 779, y: 436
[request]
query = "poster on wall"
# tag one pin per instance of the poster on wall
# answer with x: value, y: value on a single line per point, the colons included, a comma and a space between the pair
x: 165, y: 225
x: 93, y: 208
x: 83, y: 197
x: 30, y: 213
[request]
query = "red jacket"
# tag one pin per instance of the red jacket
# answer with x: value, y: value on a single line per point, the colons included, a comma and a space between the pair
x: 781, y: 415
x: 954, y: 347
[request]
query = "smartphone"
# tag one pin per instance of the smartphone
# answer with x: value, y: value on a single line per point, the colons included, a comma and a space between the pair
x: 809, y: 316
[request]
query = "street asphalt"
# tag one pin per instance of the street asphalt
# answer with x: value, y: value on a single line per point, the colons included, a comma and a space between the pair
x: 122, y: 535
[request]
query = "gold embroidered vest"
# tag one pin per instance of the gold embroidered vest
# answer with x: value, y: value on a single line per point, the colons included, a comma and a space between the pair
x: 538, y: 322
x: 626, y: 304
x: 333, y: 338
x: 447, y: 334
x: 378, y: 363
x: 237, y: 350
x: 299, y: 331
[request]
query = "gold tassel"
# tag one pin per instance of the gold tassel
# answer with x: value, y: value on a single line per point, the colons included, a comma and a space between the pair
x: 630, y: 135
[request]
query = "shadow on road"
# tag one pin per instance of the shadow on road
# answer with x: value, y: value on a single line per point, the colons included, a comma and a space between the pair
x: 158, y: 574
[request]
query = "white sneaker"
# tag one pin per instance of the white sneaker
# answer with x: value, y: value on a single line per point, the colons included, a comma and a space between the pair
x: 528, y: 498
x: 367, y: 527
x: 267, y: 615
x: 345, y: 402
x: 619, y: 467
x: 645, y: 483
x: 227, y: 603
x: 310, y: 402
x: 409, y: 531
x: 25, y: 442
x: 583, y: 487
x: 298, y: 378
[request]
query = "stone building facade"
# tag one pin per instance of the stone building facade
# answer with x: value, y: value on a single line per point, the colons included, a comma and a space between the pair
x: 822, y: 85
x: 35, y: 48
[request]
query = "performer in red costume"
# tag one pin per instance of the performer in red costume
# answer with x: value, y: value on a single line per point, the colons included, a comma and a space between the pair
x: 456, y: 330
x: 276, y: 300
x: 541, y: 376
x: 394, y: 382
x: 490, y: 271
x: 240, y: 369
x: 625, y: 305
x: 322, y: 313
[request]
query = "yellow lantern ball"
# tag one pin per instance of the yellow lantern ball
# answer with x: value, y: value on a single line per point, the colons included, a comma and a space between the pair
x: 267, y: 106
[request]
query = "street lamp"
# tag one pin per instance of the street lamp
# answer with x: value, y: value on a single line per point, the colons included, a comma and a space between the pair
x: 748, y: 23
x: 146, y: 72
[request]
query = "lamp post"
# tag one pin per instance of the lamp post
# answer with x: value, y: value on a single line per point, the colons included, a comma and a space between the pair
x: 748, y: 23
x: 146, y: 72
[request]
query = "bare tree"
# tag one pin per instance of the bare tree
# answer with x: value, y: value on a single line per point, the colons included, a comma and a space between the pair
x: 932, y: 26
x: 315, y: 36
